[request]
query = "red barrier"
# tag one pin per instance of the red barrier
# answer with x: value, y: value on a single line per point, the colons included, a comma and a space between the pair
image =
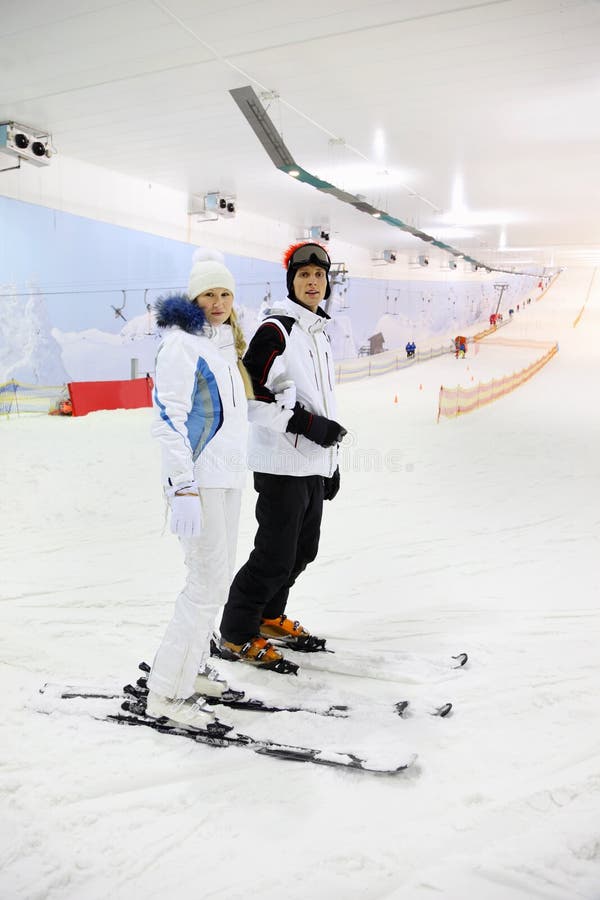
x: 89, y: 396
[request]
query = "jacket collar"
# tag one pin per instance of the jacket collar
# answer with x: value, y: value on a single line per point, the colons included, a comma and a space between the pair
x: 177, y: 310
x: 307, y: 320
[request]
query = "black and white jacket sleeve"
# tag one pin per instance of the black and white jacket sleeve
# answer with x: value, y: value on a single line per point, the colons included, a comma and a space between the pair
x: 266, y: 362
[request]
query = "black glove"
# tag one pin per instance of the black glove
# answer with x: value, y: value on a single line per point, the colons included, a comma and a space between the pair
x: 322, y: 431
x: 331, y: 485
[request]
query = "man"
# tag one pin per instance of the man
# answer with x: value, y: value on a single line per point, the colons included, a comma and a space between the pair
x: 293, y: 450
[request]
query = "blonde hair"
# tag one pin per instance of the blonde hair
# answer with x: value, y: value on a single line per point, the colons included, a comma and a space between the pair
x: 240, y: 348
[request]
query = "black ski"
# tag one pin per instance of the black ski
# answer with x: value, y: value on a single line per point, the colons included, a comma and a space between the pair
x: 236, y: 700
x: 220, y: 737
x: 338, y: 711
x: 135, y: 696
x: 231, y: 699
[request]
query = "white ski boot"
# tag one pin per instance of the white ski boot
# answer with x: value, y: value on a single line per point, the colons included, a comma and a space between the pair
x: 209, y: 683
x: 185, y: 713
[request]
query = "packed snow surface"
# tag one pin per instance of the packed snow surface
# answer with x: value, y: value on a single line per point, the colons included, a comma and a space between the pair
x: 477, y: 534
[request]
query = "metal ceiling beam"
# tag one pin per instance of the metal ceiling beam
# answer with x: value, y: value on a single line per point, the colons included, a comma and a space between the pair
x: 258, y: 119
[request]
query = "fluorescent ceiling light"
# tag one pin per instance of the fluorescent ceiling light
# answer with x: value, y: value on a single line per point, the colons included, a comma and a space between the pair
x: 458, y: 204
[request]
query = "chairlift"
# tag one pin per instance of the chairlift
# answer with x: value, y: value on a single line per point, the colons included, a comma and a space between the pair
x: 338, y: 273
x: 119, y: 309
x: 341, y: 295
x: 388, y: 310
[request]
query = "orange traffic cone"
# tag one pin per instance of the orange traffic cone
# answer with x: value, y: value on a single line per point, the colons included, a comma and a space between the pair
x: 395, y: 398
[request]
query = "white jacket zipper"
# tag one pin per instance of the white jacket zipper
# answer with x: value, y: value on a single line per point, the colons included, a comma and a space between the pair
x: 322, y: 385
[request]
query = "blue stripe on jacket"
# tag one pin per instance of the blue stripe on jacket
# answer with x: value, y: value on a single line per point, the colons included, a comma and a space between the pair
x: 163, y: 409
x: 206, y: 415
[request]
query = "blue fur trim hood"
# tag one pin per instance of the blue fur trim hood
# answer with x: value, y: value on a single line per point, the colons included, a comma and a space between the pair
x: 177, y: 309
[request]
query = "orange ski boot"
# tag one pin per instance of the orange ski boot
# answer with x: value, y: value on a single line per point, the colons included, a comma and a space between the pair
x: 257, y: 652
x: 287, y: 633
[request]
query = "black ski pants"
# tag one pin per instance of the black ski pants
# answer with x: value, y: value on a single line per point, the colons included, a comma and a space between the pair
x: 288, y: 512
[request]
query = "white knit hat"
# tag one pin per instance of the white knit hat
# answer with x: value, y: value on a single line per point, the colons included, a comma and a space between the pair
x: 209, y: 271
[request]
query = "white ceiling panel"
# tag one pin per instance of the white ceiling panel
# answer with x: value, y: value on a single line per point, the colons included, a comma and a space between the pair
x: 502, y: 95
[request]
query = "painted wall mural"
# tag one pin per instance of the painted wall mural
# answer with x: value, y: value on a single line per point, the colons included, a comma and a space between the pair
x: 76, y: 298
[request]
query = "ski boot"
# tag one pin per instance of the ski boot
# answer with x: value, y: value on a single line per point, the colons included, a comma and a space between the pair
x: 186, y: 713
x: 287, y: 633
x: 257, y: 652
x: 209, y: 684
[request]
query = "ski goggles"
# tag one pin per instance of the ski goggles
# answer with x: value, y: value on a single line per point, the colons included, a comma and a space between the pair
x: 310, y: 253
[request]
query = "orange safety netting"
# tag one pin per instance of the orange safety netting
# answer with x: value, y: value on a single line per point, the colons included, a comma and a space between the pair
x: 458, y: 401
x: 519, y: 343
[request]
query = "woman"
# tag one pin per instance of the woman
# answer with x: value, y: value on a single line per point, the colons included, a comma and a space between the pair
x: 201, y: 402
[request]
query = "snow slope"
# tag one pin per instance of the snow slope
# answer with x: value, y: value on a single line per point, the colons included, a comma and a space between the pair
x: 479, y: 533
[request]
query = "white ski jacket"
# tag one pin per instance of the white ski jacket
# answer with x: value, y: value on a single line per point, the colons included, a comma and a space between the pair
x: 201, y: 408
x: 291, y: 344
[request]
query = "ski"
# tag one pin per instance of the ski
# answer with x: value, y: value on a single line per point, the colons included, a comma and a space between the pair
x: 312, y: 644
x: 135, y: 696
x: 220, y: 737
x: 383, y: 666
x: 139, y: 691
x: 337, y: 710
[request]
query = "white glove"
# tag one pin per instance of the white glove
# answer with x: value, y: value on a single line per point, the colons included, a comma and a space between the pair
x: 186, y: 511
x: 286, y: 394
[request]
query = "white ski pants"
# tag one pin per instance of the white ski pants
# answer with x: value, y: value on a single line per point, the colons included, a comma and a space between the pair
x: 210, y: 561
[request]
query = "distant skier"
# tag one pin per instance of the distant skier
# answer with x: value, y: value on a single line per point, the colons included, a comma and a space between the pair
x: 410, y: 349
x: 62, y: 408
x: 460, y: 346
